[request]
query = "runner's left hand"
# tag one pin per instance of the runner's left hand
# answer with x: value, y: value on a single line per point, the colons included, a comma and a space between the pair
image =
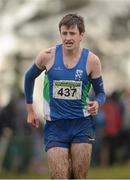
x: 93, y: 107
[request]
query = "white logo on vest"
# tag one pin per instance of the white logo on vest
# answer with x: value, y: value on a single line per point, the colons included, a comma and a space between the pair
x: 78, y: 74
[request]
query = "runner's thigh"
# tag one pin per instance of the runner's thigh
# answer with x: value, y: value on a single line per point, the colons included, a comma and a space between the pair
x: 80, y: 157
x: 58, y: 161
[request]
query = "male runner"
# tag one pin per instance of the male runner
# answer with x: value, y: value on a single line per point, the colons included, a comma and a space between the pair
x: 69, y: 72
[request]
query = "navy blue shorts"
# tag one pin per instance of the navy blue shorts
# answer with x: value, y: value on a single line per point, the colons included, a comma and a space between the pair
x: 62, y: 133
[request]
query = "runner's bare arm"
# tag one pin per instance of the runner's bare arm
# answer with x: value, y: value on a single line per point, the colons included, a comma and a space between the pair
x: 42, y: 61
x: 45, y: 59
x: 97, y: 83
x: 94, y: 66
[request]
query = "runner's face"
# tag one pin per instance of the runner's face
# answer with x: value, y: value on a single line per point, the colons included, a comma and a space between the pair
x: 70, y: 37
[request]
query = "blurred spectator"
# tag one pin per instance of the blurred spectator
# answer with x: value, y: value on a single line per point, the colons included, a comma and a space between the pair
x: 112, y: 129
x: 125, y: 133
x: 96, y: 154
x: 19, y: 150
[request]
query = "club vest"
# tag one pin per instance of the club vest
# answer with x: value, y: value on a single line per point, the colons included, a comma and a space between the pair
x: 66, y: 90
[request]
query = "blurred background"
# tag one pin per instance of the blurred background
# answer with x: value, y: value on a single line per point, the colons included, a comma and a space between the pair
x: 27, y: 27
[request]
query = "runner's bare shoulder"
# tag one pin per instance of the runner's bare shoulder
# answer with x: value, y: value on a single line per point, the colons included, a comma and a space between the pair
x: 45, y: 57
x: 94, y: 65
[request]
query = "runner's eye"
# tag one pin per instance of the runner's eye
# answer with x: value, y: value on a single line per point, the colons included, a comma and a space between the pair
x: 72, y: 33
x: 64, y: 33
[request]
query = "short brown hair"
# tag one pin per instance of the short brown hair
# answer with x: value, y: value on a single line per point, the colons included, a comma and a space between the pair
x: 72, y: 20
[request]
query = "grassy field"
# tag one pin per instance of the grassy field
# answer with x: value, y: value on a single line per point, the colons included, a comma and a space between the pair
x: 113, y: 172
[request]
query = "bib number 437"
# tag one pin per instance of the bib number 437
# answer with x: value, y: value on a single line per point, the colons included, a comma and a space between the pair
x: 67, y: 89
x: 67, y: 92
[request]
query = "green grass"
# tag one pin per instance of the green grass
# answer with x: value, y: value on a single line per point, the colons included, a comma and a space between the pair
x: 113, y: 172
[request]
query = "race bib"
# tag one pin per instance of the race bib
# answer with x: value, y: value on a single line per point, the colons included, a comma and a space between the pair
x: 64, y: 89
